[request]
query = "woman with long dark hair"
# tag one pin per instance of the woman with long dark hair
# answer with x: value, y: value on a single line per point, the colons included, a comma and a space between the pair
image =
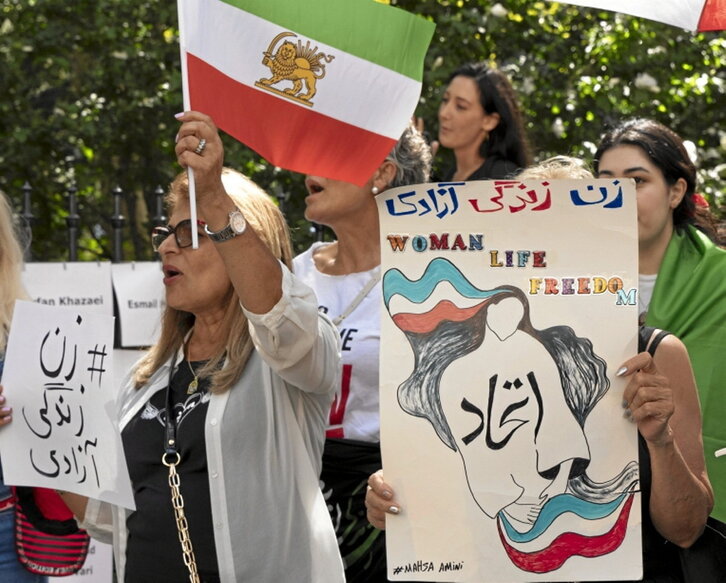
x: 682, y: 284
x: 480, y: 120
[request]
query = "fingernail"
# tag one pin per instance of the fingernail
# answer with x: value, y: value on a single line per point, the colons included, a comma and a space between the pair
x: 6, y: 409
x: 178, y: 115
x: 621, y: 371
x: 394, y: 509
x: 624, y: 404
x: 627, y: 413
x: 387, y: 495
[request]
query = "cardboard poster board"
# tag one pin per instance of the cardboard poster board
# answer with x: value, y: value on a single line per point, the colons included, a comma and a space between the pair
x: 508, y: 307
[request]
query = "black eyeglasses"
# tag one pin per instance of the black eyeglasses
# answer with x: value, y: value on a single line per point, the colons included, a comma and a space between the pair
x: 182, y: 234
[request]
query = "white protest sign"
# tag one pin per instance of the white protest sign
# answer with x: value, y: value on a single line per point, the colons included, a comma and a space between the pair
x: 140, y: 294
x: 58, y: 378
x: 507, y: 309
x: 85, y: 285
x: 98, y: 567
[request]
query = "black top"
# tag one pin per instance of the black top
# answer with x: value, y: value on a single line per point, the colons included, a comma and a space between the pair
x: 153, y: 552
x: 493, y: 168
x: 347, y: 464
x: 661, y: 561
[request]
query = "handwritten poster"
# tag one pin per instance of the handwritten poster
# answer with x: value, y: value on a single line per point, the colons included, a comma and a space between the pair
x: 58, y: 377
x: 140, y: 297
x: 507, y: 309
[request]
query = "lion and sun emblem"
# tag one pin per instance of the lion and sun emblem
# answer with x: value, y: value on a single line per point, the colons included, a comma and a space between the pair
x: 296, y: 63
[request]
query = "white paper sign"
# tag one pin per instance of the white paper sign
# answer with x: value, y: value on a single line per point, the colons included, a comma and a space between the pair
x: 98, y: 567
x: 140, y: 296
x: 58, y: 378
x: 86, y: 285
x: 507, y: 309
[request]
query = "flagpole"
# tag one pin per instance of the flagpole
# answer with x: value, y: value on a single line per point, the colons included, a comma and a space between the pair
x: 187, y: 107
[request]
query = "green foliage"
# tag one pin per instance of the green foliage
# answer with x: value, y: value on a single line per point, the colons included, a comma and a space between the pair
x: 88, y: 92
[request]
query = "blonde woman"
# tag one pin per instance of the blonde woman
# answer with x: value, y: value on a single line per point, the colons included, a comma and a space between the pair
x: 11, y: 289
x: 231, y: 403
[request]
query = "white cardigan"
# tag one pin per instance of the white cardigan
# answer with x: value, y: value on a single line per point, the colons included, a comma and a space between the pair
x: 264, y: 441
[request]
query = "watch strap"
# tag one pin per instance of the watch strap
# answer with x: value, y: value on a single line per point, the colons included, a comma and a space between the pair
x: 228, y: 232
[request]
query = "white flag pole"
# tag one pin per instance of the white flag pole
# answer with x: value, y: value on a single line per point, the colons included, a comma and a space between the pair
x: 187, y: 107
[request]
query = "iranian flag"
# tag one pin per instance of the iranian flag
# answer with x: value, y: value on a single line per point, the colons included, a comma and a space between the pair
x: 696, y: 15
x: 322, y: 87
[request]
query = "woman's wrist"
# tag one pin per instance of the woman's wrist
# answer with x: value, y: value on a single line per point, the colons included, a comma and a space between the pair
x: 665, y: 441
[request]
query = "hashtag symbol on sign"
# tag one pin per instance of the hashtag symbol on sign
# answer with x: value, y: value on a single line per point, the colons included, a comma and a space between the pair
x: 95, y: 353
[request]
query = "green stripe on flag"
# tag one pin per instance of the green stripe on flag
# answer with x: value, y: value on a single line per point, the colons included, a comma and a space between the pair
x: 384, y: 35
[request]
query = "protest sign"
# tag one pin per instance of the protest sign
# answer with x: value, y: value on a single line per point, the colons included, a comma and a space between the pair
x: 140, y: 299
x: 508, y: 309
x: 85, y: 286
x: 58, y: 377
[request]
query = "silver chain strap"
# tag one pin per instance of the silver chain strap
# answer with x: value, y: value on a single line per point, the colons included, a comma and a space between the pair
x: 182, y: 526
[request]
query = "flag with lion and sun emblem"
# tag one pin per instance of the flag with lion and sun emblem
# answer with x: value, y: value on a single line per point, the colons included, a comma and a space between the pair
x: 320, y: 87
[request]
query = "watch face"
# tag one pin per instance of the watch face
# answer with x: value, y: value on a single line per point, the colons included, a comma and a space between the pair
x: 237, y: 222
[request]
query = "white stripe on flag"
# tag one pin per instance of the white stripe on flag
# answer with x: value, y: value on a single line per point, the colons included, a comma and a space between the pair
x: 682, y: 13
x: 353, y: 90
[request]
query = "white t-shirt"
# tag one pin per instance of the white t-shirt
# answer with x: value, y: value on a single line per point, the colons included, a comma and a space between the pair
x: 646, y: 283
x: 354, y: 413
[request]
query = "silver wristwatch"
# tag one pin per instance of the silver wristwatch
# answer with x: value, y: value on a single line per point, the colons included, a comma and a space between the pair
x: 236, y: 226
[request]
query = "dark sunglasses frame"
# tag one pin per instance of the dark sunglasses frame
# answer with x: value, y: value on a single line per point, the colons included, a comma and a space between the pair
x: 183, y: 228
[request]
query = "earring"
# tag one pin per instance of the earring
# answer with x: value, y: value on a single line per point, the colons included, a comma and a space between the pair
x: 375, y: 190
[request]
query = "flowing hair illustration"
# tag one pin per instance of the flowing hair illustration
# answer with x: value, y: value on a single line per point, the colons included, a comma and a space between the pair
x: 455, y: 328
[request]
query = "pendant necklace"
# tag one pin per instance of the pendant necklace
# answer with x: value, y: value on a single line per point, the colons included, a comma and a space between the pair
x: 192, y: 386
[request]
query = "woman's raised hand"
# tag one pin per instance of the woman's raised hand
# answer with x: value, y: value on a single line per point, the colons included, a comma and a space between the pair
x: 199, y: 147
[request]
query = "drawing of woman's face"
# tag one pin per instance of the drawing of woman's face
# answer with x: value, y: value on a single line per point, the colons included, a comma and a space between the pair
x: 506, y: 409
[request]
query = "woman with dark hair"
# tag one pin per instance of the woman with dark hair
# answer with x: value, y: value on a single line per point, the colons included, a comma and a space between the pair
x: 481, y: 121
x: 682, y: 285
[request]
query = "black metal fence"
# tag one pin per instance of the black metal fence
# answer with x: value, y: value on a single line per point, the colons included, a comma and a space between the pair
x: 117, y: 220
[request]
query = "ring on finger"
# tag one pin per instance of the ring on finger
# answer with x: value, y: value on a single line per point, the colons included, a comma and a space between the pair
x: 200, y: 147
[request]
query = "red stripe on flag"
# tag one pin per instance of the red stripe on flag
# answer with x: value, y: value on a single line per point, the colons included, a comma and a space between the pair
x: 287, y: 135
x: 713, y: 16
